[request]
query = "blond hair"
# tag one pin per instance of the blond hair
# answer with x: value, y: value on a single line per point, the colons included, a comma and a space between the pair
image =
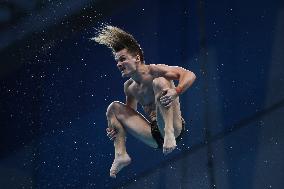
x: 116, y: 39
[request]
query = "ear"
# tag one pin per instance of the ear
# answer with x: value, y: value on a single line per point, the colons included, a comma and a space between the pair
x: 138, y: 57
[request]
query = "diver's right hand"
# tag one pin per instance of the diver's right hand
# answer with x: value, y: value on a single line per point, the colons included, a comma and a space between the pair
x: 111, y: 133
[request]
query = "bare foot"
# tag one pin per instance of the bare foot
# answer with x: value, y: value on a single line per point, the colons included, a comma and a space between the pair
x: 119, y: 162
x: 169, y: 144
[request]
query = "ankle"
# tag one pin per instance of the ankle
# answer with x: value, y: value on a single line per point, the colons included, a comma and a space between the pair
x: 169, y: 132
x: 119, y: 154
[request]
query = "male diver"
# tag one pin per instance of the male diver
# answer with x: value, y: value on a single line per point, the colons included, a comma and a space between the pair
x: 153, y: 88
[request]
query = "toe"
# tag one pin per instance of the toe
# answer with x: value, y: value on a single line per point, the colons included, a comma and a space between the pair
x: 112, y: 174
x: 168, y: 150
x: 165, y: 151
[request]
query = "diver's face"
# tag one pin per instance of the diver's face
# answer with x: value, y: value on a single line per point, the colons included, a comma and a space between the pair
x: 126, y: 63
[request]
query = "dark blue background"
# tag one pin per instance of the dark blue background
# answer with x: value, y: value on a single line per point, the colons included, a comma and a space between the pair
x: 53, y: 105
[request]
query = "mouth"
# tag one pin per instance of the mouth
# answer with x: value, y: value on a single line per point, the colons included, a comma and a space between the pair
x: 122, y: 69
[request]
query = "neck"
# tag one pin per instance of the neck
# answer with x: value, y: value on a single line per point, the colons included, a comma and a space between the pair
x: 141, y: 72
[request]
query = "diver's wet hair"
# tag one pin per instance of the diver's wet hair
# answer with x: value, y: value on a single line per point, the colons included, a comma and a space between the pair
x: 116, y: 39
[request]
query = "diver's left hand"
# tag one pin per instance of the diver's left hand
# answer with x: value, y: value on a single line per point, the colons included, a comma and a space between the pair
x: 168, y: 96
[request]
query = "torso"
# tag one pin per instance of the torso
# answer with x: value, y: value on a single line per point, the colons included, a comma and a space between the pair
x: 145, y: 96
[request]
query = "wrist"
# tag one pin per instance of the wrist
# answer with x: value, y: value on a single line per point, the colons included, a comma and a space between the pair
x: 178, y: 90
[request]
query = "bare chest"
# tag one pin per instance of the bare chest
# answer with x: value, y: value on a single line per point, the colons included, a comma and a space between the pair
x: 144, y: 94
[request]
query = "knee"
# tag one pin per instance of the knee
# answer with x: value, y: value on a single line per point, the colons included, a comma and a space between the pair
x: 160, y: 83
x: 113, y: 107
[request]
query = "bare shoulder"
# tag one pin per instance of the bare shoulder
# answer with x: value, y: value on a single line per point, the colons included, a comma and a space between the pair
x: 157, y: 66
x: 162, y: 67
x: 155, y: 69
x: 163, y: 70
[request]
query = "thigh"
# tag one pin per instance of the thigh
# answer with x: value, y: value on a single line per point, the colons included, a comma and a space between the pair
x: 177, y: 119
x: 135, y: 124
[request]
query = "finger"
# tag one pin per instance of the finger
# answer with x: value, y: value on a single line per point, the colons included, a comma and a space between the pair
x: 164, y: 103
x: 164, y: 93
x: 168, y: 105
x: 165, y: 98
x: 162, y: 99
x: 112, y: 138
x: 110, y: 129
x: 111, y: 133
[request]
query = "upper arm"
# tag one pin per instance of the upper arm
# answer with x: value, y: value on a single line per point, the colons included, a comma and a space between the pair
x: 168, y: 72
x: 130, y: 99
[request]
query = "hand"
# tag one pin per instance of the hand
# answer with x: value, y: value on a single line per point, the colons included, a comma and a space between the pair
x: 111, y: 133
x: 168, y: 96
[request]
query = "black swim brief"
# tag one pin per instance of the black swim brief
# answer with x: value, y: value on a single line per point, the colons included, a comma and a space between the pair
x: 158, y: 137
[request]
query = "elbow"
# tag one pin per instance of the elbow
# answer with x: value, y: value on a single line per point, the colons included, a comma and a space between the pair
x: 192, y: 76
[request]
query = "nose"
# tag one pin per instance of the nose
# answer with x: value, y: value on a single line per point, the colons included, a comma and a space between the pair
x: 118, y: 64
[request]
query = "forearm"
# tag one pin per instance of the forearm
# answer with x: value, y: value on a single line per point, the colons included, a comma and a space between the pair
x: 185, y: 81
